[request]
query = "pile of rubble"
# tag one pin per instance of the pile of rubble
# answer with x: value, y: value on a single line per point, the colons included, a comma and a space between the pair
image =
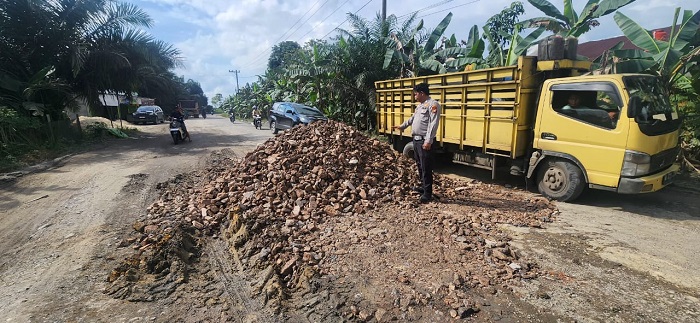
x: 288, y: 205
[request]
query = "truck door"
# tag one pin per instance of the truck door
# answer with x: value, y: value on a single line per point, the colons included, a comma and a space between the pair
x: 590, y: 130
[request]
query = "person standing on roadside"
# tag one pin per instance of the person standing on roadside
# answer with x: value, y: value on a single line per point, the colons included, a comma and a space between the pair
x: 424, y: 124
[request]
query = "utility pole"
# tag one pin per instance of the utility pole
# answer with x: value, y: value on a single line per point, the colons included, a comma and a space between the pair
x: 383, y: 11
x: 237, y: 71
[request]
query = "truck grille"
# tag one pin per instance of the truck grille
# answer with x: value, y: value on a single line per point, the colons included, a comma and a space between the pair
x: 664, y: 159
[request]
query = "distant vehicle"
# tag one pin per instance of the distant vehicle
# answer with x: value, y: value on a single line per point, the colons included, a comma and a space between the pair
x: 285, y: 115
x: 148, y: 113
x: 191, y: 108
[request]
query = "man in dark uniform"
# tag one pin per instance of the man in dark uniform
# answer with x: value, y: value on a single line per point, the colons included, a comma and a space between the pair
x: 424, y: 124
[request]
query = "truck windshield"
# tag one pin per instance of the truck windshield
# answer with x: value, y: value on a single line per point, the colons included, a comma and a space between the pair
x: 654, y: 97
x: 654, y: 113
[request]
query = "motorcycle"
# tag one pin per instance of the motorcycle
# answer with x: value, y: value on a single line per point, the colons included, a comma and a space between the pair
x: 257, y: 121
x: 232, y: 117
x: 177, y: 132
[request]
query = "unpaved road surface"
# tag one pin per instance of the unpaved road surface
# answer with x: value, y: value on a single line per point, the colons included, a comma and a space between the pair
x: 606, y: 257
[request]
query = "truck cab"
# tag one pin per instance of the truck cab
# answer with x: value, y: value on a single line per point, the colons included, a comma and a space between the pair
x: 623, y: 136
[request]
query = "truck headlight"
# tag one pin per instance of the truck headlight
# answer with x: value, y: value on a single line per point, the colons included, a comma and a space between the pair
x: 304, y: 119
x: 635, y: 164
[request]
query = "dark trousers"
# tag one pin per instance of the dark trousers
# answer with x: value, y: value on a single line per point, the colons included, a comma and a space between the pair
x: 424, y: 160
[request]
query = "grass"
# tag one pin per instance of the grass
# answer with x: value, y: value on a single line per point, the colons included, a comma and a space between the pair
x: 17, y: 156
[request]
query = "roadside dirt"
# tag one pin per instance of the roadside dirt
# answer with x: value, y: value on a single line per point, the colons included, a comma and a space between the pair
x: 484, y: 252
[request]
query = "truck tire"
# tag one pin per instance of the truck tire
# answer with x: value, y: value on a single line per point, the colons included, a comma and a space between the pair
x: 560, y: 180
x: 273, y: 126
x: 409, y: 151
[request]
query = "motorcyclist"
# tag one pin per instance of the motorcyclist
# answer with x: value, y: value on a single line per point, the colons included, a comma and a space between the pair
x: 256, y: 114
x: 179, y: 115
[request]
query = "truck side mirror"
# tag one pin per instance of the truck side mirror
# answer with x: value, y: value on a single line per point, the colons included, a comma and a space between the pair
x: 633, y: 106
x: 289, y: 112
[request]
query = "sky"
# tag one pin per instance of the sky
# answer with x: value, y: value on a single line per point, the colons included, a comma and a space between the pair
x: 218, y: 37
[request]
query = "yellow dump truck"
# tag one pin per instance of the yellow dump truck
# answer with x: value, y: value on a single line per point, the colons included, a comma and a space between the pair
x: 623, y: 137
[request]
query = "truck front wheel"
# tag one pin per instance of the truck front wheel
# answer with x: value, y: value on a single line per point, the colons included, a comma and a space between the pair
x: 560, y: 180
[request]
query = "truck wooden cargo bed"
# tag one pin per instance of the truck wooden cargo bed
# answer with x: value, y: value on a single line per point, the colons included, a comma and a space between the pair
x: 490, y: 109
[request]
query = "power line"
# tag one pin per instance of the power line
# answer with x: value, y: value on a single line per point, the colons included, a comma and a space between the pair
x: 346, y: 20
x: 434, y: 6
x: 324, y: 19
x: 426, y: 8
x: 302, y: 16
x: 457, y: 6
x: 267, y: 51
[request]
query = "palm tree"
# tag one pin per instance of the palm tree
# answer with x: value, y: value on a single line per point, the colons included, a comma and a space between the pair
x: 361, y: 57
x: 92, y: 47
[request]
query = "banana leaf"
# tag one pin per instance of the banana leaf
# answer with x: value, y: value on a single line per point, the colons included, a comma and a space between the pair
x: 668, y: 59
x: 688, y: 30
x: 569, y: 11
x: 475, y: 43
x: 609, y: 6
x: 433, y: 65
x: 390, y: 54
x: 462, y: 61
x: 635, y: 66
x: 588, y: 9
x: 632, y: 53
x: 437, y: 32
x: 520, y: 45
x: 550, y: 10
x: 637, y: 34
x: 684, y: 83
x: 549, y: 23
x: 612, y: 49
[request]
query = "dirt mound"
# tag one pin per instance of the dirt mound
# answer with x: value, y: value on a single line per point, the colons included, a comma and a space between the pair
x: 322, y: 212
x: 90, y: 121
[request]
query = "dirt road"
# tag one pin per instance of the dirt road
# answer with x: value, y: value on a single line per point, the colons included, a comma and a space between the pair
x: 607, y: 257
x: 61, y: 226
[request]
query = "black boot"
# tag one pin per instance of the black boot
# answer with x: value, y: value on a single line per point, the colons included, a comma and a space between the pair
x: 425, y: 198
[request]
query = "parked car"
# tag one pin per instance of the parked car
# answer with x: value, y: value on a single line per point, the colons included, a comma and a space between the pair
x: 148, y: 113
x: 285, y: 115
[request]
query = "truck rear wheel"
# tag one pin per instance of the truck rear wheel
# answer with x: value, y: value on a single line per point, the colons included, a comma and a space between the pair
x: 409, y: 151
x: 560, y: 180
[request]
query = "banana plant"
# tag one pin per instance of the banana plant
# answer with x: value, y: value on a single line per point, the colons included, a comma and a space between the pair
x: 519, y: 45
x: 669, y: 59
x: 570, y: 23
x: 457, y: 57
x: 410, y: 52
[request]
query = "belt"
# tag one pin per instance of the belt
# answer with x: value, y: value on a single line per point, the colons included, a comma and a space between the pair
x: 418, y: 138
